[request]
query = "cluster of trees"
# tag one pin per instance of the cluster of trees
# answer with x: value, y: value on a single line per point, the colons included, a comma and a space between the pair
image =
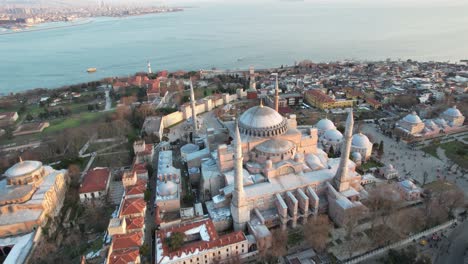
x: 94, y: 107
x: 51, y: 113
x: 316, y: 234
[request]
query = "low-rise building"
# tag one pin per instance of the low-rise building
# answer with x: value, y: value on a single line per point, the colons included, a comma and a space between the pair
x: 201, y: 244
x: 95, y: 184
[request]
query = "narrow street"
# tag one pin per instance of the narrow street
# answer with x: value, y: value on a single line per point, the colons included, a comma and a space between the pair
x: 149, y: 221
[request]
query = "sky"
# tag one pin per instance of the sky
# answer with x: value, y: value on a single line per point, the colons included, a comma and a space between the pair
x: 197, y: 2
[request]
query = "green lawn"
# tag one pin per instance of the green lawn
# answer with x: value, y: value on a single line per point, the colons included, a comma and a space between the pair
x: 371, y: 164
x: 431, y: 150
x: 74, y: 121
x: 457, y: 152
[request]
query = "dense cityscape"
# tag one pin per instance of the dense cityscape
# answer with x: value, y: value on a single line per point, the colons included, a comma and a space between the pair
x: 225, y: 132
x: 339, y: 162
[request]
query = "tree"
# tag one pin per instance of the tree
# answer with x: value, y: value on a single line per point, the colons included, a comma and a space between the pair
x: 316, y: 232
x: 381, y: 149
x: 279, y: 241
x: 175, y: 241
x: 425, y: 175
x: 29, y: 117
x: 74, y: 173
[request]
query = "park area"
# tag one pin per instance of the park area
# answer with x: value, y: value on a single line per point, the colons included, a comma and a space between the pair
x: 455, y: 151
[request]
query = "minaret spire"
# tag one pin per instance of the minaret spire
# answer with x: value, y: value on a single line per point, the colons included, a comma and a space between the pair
x: 341, y: 174
x: 239, y: 179
x: 149, y: 68
x: 239, y: 209
x: 192, y: 103
x: 276, y: 94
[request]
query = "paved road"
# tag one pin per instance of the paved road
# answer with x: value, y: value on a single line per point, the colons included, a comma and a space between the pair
x: 457, y: 245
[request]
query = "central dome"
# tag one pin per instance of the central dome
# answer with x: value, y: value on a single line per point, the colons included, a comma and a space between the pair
x: 262, y: 121
x: 22, y: 168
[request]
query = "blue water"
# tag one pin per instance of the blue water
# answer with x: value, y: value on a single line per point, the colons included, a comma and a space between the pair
x: 230, y: 36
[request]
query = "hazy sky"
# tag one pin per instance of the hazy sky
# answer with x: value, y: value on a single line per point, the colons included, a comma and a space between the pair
x: 201, y: 2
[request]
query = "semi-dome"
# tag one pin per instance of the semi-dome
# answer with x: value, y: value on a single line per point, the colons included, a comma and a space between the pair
x: 22, y: 168
x: 412, y: 118
x: 314, y: 162
x: 262, y: 121
x: 333, y: 135
x: 453, y: 112
x: 360, y: 140
x: 325, y: 124
x: 167, y: 188
x: 274, y: 146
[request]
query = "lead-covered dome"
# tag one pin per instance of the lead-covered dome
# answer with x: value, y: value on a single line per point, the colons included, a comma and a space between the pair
x: 333, y: 135
x: 360, y: 140
x: 325, y: 124
x: 412, y: 118
x: 23, y: 168
x: 167, y: 188
x: 453, y: 112
x: 275, y: 146
x: 262, y: 121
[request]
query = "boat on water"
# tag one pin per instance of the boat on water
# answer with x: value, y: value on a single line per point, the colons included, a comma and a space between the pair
x: 91, y: 70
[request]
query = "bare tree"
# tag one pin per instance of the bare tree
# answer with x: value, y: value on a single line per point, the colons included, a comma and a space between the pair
x: 278, y: 246
x: 316, y: 232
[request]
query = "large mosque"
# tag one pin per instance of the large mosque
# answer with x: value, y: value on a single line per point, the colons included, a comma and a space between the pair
x: 275, y: 173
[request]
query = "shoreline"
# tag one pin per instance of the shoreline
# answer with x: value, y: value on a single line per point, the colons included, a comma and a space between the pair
x: 87, y: 20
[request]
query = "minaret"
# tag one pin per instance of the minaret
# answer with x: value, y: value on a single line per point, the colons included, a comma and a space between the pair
x: 239, y: 208
x: 252, y: 78
x: 149, y: 68
x: 194, y: 113
x: 340, y: 180
x: 276, y: 94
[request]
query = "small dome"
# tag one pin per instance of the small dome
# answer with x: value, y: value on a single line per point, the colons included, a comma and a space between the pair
x: 407, y: 184
x: 429, y: 123
x: 275, y: 146
x: 356, y: 156
x: 333, y: 135
x: 23, y: 168
x: 189, y: 148
x: 325, y: 124
x: 360, y: 140
x: 453, y: 112
x: 390, y: 167
x: 441, y: 122
x: 167, y: 188
x: 412, y: 118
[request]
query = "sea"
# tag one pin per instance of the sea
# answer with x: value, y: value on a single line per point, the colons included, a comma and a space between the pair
x: 230, y: 36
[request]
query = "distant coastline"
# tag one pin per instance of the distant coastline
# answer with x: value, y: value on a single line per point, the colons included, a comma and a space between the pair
x: 72, y: 24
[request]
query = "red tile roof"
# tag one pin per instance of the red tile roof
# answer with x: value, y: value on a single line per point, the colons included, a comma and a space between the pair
x: 372, y: 101
x: 95, y: 180
x: 215, y: 240
x: 124, y: 256
x: 320, y: 96
x: 138, y: 188
x: 132, y: 206
x: 126, y: 241
x: 135, y: 223
x: 140, y: 168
